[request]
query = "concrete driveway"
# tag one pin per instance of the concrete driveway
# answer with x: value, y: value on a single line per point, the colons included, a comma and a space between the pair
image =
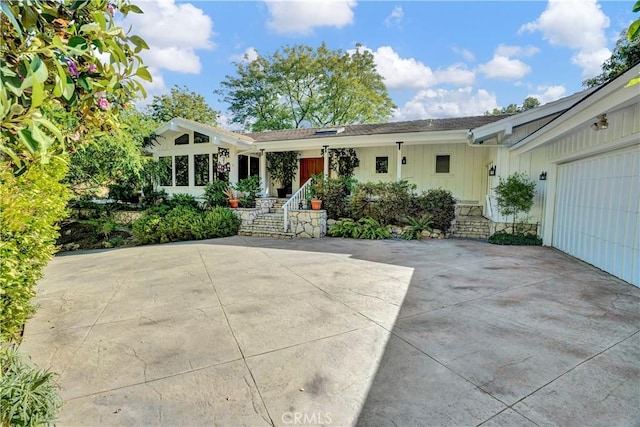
x: 248, y: 331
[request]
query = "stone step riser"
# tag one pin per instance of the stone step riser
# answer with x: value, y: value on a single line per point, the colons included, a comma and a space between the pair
x: 275, y: 235
x: 265, y: 228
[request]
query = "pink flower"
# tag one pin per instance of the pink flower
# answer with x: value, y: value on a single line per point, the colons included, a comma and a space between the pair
x: 111, y: 9
x: 93, y: 69
x: 76, y: 136
x: 103, y: 103
x: 73, y: 69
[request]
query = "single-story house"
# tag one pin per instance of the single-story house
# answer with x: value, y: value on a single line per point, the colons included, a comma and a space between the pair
x: 583, y: 150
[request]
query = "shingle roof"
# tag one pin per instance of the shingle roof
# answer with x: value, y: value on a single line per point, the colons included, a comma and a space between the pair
x: 458, y: 123
x: 244, y: 137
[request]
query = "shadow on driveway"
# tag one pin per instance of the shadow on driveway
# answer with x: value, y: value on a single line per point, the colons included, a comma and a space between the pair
x: 338, y: 332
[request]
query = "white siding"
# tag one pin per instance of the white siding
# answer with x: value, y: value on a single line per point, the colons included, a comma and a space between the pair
x: 596, y: 212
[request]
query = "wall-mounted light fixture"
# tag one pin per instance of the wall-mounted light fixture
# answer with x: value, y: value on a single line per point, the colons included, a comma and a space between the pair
x: 601, y: 124
x: 324, y: 149
x: 261, y: 152
x: 543, y: 176
x: 404, y: 160
x: 492, y: 170
x: 399, y: 144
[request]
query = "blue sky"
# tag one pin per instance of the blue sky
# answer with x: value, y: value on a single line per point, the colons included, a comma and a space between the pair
x: 438, y: 58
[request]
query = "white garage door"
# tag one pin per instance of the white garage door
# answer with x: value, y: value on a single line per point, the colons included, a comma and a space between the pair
x: 596, y: 215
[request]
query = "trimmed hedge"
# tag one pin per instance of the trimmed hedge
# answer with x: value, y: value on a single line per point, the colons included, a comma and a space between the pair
x: 518, y: 239
x: 31, y: 205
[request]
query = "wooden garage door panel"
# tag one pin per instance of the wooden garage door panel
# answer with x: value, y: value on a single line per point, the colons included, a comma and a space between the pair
x: 596, y: 216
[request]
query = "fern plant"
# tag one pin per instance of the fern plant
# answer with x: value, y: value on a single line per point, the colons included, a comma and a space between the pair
x: 364, y: 228
x: 416, y: 226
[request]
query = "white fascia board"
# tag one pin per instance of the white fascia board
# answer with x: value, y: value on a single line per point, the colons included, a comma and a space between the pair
x: 177, y: 124
x: 505, y: 126
x: 608, y: 98
x: 363, y: 141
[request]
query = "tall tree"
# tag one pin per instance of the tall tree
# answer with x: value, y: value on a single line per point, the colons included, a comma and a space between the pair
x: 182, y: 102
x: 299, y: 86
x: 528, y: 103
x: 625, y: 55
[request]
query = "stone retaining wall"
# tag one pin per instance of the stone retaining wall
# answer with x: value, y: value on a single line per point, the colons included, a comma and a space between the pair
x: 308, y: 223
x: 247, y: 215
x: 265, y: 203
x: 468, y: 210
x: 527, y: 229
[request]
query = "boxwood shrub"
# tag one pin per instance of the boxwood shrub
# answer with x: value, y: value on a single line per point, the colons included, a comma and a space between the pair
x: 519, y: 239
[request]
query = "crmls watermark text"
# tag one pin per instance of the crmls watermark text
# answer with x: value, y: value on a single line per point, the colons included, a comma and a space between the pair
x: 302, y: 418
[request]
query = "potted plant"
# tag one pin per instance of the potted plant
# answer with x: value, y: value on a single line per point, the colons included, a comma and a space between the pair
x: 316, y: 204
x: 312, y: 192
x: 282, y: 167
x: 233, y: 196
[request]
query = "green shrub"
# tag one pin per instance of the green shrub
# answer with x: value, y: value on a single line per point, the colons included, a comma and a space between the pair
x: 185, y: 223
x: 145, y: 229
x: 416, y: 226
x: 103, y: 225
x: 30, y: 207
x: 364, y: 228
x: 519, y: 239
x: 438, y: 203
x: 250, y: 189
x: 183, y: 200
x: 181, y: 223
x: 214, y: 194
x: 220, y: 222
x: 334, y: 194
x: 124, y: 191
x: 385, y: 202
x: 154, y: 198
x: 28, y: 395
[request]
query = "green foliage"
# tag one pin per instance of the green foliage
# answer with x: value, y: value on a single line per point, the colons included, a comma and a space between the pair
x: 344, y: 161
x: 50, y: 61
x: 182, y: 103
x: 125, y: 190
x: 185, y: 223
x: 221, y: 222
x: 416, y: 226
x: 502, y: 238
x: 364, y: 228
x: 439, y: 204
x: 214, y: 194
x: 515, y: 195
x: 184, y: 200
x: 30, y: 206
x: 116, y: 157
x: 282, y: 166
x: 249, y: 189
x: 300, y: 86
x: 386, y: 202
x: 528, y: 103
x: 28, y: 395
x: 103, y: 224
x: 625, y: 55
x: 334, y: 193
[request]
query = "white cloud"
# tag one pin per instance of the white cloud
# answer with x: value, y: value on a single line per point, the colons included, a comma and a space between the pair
x: 409, y: 73
x: 395, y: 18
x: 441, y: 103
x: 301, y: 17
x: 579, y: 25
x: 549, y: 93
x: 502, y: 67
x: 466, y: 54
x: 249, y: 55
x: 162, y: 26
x: 518, y: 51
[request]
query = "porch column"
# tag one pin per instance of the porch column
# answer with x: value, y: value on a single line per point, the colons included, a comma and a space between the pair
x: 326, y: 161
x: 399, y: 162
x: 263, y: 172
x: 248, y: 165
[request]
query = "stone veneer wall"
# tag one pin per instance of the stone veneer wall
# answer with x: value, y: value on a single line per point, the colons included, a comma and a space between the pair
x: 308, y: 223
x: 468, y: 210
x: 527, y: 229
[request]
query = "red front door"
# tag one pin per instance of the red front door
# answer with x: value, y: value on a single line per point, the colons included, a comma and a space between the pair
x: 309, y: 167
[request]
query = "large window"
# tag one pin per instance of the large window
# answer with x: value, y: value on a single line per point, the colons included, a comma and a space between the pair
x: 201, y: 167
x: 166, y: 173
x: 182, y: 171
x: 199, y: 138
x: 382, y: 164
x: 443, y: 163
x: 182, y: 140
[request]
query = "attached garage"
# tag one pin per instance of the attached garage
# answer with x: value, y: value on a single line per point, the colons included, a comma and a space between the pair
x: 596, y: 212
x: 591, y: 200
